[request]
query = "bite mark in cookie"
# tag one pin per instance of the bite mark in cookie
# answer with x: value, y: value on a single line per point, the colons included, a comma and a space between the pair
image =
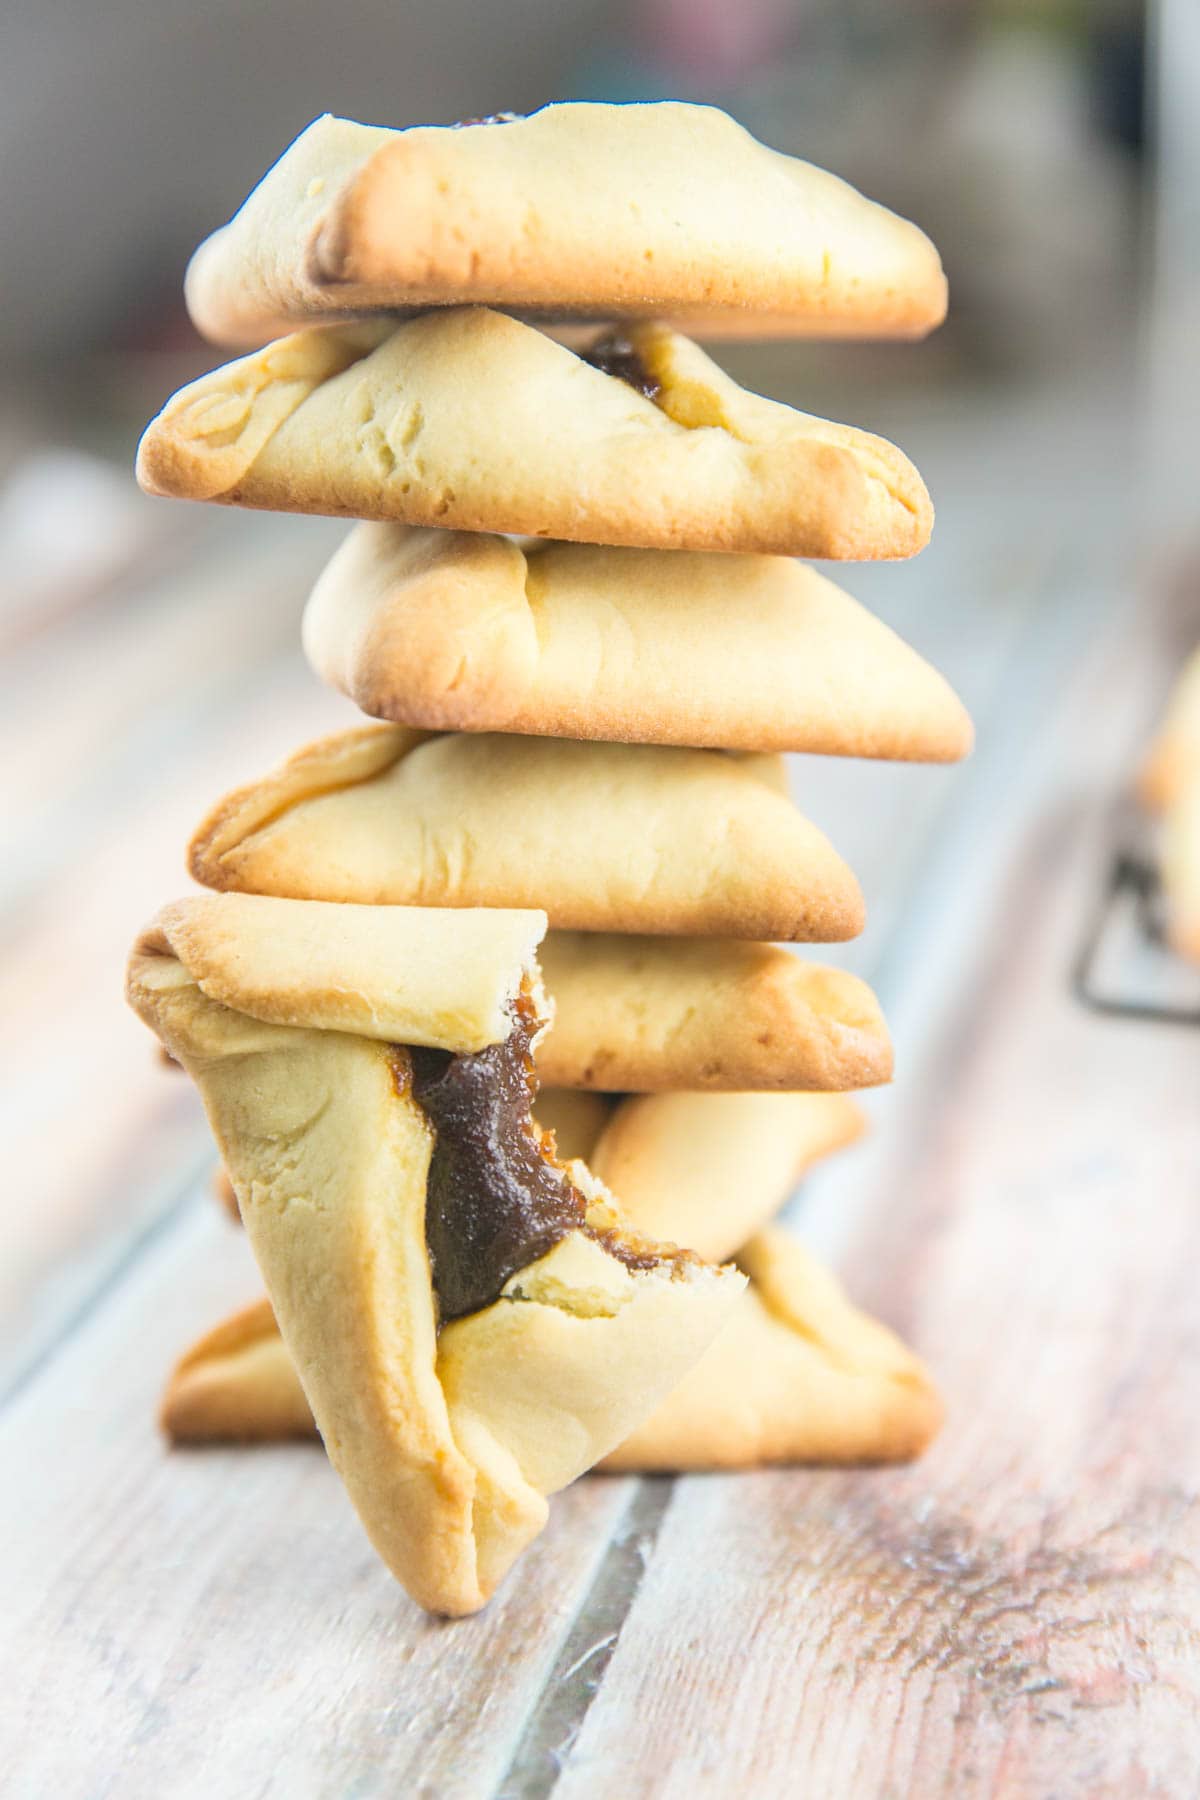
x: 497, y: 1198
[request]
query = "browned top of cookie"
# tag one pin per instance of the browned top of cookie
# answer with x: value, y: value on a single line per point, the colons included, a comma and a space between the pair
x: 580, y: 210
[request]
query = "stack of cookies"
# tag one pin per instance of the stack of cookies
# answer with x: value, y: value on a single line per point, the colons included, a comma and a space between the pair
x: 574, y: 604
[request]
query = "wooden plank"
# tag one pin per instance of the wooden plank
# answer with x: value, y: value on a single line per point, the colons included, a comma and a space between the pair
x: 215, y: 1622
x: 97, y: 1134
x: 92, y: 704
x: 1020, y: 1613
x: 83, y: 1097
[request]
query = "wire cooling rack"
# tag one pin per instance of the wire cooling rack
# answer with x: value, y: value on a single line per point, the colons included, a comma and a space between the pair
x: 1125, y: 965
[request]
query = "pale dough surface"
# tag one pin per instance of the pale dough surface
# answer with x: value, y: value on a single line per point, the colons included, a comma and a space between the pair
x: 575, y: 1117
x: 468, y: 631
x: 447, y: 1443
x: 604, y: 837
x: 798, y: 1375
x: 710, y: 1170
x: 636, y: 1014
x: 401, y: 974
x: 468, y: 418
x: 579, y: 208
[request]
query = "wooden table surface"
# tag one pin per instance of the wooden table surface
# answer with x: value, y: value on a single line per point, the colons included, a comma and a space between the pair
x: 1018, y: 1614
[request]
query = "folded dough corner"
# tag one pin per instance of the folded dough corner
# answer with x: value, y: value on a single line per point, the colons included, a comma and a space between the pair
x: 466, y: 418
x: 473, y: 1323
x: 470, y: 631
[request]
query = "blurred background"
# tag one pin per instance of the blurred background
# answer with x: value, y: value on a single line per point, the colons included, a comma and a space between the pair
x: 150, y: 649
x: 1014, y: 129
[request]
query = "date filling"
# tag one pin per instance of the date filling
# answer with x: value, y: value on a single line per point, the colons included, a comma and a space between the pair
x: 614, y: 354
x: 500, y: 118
x: 496, y: 1198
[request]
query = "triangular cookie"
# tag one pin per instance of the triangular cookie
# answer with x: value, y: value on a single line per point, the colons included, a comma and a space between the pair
x: 467, y: 631
x: 473, y: 1324
x: 605, y: 837
x: 798, y: 1374
x: 469, y: 418
x: 579, y: 209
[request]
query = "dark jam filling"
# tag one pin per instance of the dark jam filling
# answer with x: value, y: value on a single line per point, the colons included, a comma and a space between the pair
x: 504, y: 118
x: 614, y: 355
x: 495, y: 1199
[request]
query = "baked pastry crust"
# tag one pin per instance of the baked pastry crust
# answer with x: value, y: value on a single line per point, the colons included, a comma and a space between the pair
x: 710, y: 1170
x: 453, y: 630
x: 224, y: 1194
x: 608, y: 837
x: 650, y: 1015
x: 447, y: 1442
x: 401, y: 975
x: 797, y: 1374
x: 575, y: 1117
x: 647, y: 1014
x: 237, y: 1384
x: 467, y: 418
x: 685, y: 214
